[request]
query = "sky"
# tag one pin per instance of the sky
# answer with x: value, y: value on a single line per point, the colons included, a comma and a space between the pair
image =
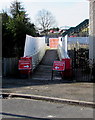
x: 66, y: 12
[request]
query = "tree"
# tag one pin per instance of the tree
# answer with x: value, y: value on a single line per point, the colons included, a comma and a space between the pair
x: 7, y: 37
x: 15, y: 28
x: 22, y: 26
x: 45, y: 20
x: 19, y: 12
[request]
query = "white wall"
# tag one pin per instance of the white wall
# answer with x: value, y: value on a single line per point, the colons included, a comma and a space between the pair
x: 92, y: 30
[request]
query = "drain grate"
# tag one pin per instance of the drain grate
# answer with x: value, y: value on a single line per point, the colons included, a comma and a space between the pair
x: 4, y: 96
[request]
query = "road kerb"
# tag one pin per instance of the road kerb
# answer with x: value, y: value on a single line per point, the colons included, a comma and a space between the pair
x: 51, y: 99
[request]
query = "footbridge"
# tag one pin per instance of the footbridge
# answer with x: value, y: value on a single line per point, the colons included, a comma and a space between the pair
x: 39, y: 58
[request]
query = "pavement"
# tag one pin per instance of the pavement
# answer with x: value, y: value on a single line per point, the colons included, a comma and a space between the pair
x: 63, y: 91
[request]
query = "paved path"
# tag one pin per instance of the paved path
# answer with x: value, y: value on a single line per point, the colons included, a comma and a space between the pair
x: 44, y: 70
x: 60, y: 89
x: 49, y: 57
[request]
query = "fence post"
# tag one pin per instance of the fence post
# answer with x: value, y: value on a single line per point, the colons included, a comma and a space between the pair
x: 74, y: 57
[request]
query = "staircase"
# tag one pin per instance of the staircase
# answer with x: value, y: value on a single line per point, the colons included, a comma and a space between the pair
x: 44, y: 70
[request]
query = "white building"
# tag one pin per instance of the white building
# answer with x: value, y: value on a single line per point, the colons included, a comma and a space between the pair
x: 92, y: 30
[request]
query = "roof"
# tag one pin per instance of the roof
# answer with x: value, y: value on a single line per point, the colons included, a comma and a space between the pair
x: 76, y: 29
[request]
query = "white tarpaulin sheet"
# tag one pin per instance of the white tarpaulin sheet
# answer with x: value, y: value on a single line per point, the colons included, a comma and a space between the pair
x: 62, y: 48
x: 33, y: 45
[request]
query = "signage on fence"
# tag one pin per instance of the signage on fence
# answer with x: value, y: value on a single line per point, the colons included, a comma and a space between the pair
x: 59, y: 65
x: 24, y: 65
x: 53, y: 42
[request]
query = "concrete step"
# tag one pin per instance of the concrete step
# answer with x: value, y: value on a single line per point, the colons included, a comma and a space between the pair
x: 50, y: 57
x: 43, y: 70
x: 41, y: 67
x: 46, y: 78
x: 46, y: 74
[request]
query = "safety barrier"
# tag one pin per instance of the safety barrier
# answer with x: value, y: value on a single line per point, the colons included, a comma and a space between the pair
x: 63, y: 56
x: 62, y: 48
x: 37, y: 57
x: 74, y: 51
x: 35, y: 48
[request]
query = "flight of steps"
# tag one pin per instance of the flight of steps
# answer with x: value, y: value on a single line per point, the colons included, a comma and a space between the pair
x: 44, y: 69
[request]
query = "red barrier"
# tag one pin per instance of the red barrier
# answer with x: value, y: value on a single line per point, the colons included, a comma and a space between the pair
x: 58, y: 66
x: 25, y: 65
x: 68, y: 73
x: 68, y: 63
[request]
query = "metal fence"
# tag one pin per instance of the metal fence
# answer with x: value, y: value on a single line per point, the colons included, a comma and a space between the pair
x: 9, y: 66
x: 83, y: 67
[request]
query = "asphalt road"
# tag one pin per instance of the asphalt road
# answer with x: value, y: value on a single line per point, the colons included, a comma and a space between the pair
x: 23, y: 108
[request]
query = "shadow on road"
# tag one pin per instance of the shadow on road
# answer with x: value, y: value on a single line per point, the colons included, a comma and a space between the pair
x: 10, y: 115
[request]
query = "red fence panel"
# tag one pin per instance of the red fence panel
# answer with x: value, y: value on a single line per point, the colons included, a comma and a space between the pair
x: 68, y: 73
